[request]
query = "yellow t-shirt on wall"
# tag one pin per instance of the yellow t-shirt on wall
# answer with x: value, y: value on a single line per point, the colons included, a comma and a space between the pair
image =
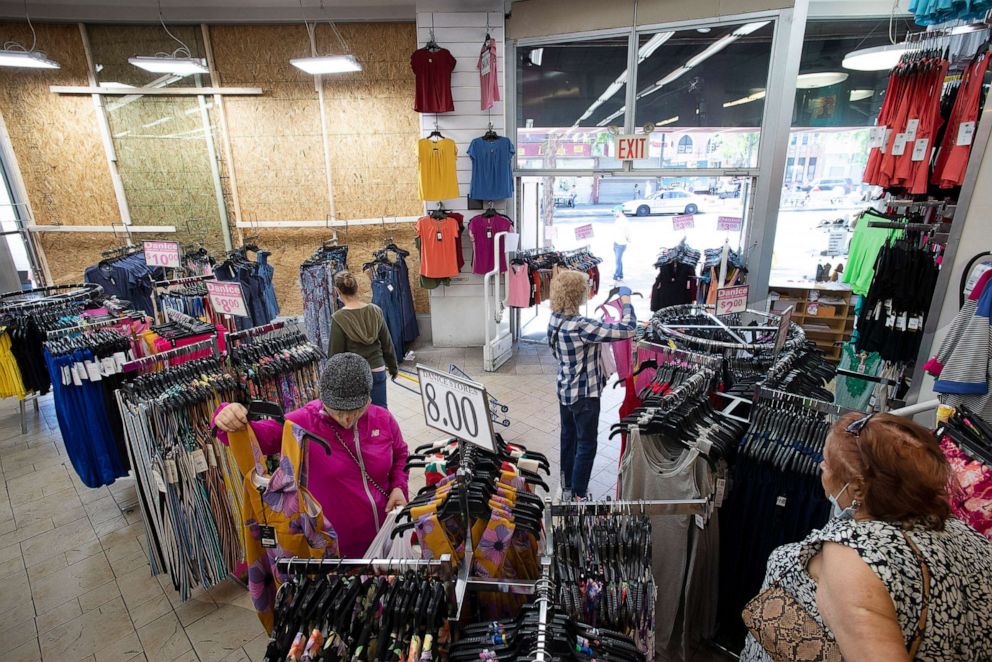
x: 436, y: 161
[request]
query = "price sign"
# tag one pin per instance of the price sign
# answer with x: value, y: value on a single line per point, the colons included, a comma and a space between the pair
x: 684, y: 222
x: 583, y: 232
x: 728, y: 224
x: 227, y: 298
x: 731, y: 300
x: 783, y: 329
x: 162, y: 254
x: 457, y: 406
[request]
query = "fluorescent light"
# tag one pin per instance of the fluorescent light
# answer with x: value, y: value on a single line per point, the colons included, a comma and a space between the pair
x: 711, y: 50
x: 748, y: 99
x: 26, y: 60
x: 536, y: 56
x: 327, y: 64
x: 748, y: 28
x: 181, y: 66
x: 860, y: 95
x: 877, y: 58
x: 820, y: 79
x: 670, y: 120
x: 653, y: 44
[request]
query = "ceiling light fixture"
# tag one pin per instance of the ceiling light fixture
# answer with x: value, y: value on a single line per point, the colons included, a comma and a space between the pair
x: 537, y: 56
x: 861, y: 95
x: 820, y: 79
x: 179, y: 62
x: 670, y: 120
x: 748, y: 99
x: 14, y: 54
x: 325, y: 64
x: 876, y: 58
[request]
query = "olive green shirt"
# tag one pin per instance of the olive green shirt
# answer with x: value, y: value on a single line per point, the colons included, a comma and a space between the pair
x: 364, y: 332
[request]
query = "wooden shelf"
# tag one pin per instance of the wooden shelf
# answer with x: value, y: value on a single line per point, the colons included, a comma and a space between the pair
x: 824, y: 331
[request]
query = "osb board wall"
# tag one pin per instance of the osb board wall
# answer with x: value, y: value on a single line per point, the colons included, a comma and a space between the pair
x: 291, y: 247
x: 161, y: 142
x: 56, y: 138
x: 69, y: 253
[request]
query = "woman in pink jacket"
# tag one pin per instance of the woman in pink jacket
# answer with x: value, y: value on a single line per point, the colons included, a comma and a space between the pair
x: 364, y: 477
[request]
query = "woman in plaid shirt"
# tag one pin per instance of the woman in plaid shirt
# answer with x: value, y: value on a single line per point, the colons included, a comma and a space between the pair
x: 575, y: 341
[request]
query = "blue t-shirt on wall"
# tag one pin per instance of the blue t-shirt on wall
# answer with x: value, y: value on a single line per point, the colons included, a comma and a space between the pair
x: 492, y: 169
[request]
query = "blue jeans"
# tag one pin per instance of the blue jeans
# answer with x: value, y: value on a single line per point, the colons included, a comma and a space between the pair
x: 618, y: 250
x: 579, y: 428
x: 379, y: 388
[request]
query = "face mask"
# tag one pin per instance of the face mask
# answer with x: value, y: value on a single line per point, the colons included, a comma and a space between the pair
x: 838, y: 512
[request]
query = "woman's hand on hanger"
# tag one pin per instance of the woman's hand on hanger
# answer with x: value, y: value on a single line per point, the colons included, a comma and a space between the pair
x: 232, y: 418
x: 396, y: 499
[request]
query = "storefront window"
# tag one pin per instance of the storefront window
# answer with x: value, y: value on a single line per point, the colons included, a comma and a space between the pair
x: 702, y: 90
x: 828, y: 150
x: 566, y: 95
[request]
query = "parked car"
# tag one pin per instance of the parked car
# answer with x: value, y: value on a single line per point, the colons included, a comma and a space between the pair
x: 837, y: 185
x: 664, y: 202
x: 565, y: 199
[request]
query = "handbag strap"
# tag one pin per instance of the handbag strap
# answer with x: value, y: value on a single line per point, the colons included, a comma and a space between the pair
x: 925, y: 607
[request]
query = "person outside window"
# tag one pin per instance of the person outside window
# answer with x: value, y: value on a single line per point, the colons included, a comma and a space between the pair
x: 576, y: 342
x: 621, y: 237
x: 360, y: 327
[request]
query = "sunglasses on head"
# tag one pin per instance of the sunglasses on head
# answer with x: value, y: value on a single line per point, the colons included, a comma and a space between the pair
x: 857, y: 426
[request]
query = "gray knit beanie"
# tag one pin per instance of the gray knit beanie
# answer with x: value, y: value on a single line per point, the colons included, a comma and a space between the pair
x: 346, y: 382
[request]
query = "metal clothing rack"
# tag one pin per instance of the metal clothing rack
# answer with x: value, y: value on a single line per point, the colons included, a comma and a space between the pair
x: 683, y: 355
x: 651, y: 508
x: 87, y: 326
x: 138, y: 364
x: 9, y: 300
x: 763, y: 392
x: 236, y: 336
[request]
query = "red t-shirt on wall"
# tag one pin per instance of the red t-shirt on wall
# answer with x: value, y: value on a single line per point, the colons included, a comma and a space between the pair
x: 433, y: 73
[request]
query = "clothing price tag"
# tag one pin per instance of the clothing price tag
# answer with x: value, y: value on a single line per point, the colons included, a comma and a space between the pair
x: 120, y: 358
x: 389, y: 287
x: 899, y: 144
x: 66, y: 375
x: 700, y: 522
x: 199, y: 461
x: 485, y: 64
x: 915, y: 323
x: 728, y: 223
x: 171, y: 472
x: 489, y: 234
x: 107, y: 366
x: 966, y: 133
x: 731, y: 300
x: 93, y: 371
x: 211, y: 456
x: 780, y: 502
x: 78, y: 374
x: 721, y: 491
x: 684, y: 222
x: 159, y: 483
x: 911, y: 127
x: 268, y: 535
x: 902, y: 321
x: 162, y: 254
x: 227, y: 298
x: 885, y: 140
x: 920, y: 151
x: 876, y: 136
x: 456, y: 406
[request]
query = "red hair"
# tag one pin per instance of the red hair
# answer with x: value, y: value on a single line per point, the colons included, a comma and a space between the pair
x: 897, y: 468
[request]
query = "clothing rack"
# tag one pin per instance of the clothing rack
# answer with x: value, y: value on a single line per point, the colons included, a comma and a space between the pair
x: 909, y: 227
x: 184, y: 280
x: 138, y: 364
x: 685, y: 356
x: 86, y: 326
x: 808, y: 403
x: 291, y: 565
x: 254, y: 331
x: 691, y: 387
x: 650, y: 508
x: 84, y: 291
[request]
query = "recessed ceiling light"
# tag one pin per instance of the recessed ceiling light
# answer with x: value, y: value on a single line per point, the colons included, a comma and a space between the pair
x: 876, y: 58
x: 703, y: 30
x: 26, y: 59
x: 748, y: 99
x: 820, y: 79
x: 859, y: 95
x: 327, y: 64
x: 180, y: 66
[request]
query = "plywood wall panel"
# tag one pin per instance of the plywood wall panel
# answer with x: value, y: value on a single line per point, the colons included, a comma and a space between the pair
x: 56, y: 138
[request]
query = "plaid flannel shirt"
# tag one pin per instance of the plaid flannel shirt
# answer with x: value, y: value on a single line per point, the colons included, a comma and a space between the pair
x: 577, y: 348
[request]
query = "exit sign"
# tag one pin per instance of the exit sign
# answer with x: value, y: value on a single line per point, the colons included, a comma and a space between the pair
x: 632, y: 148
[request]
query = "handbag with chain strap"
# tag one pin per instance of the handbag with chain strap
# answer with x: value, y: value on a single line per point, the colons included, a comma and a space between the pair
x: 789, y: 633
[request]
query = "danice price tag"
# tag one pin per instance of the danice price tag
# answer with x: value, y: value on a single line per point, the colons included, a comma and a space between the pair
x: 162, y: 254
x: 227, y: 298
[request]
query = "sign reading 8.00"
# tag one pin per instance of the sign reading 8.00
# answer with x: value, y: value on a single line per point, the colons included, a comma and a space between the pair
x: 456, y: 406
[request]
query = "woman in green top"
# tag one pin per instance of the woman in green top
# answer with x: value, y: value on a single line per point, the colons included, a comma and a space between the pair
x: 360, y: 327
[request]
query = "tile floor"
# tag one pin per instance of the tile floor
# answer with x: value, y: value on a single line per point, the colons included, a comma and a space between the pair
x: 74, y: 576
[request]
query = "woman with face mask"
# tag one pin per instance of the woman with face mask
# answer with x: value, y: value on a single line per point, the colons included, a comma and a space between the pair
x: 892, y: 576
x: 363, y: 478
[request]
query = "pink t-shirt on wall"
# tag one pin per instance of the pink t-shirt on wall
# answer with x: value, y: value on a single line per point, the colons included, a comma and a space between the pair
x: 488, y: 76
x: 483, y: 230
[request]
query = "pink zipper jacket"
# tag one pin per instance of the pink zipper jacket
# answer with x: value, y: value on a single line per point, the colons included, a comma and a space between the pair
x: 354, y: 506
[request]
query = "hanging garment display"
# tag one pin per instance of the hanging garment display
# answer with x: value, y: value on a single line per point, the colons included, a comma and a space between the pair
x: 432, y: 67
x: 862, y: 253
x: 850, y: 391
x: 197, y: 261
x: 709, y: 281
x: 187, y: 296
x: 123, y: 273
x: 317, y: 285
x: 676, y: 282
x: 436, y: 161
x: 966, y: 440
x: 483, y: 230
x: 276, y: 365
x: 955, y: 149
x: 930, y: 12
x: 492, y: 167
x: 892, y: 317
x: 488, y: 74
x: 774, y: 497
x: 603, y: 574
x: 531, y: 271
x: 427, y: 282
x: 351, y: 610
x: 438, y: 235
x: 255, y: 277
x: 391, y: 292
